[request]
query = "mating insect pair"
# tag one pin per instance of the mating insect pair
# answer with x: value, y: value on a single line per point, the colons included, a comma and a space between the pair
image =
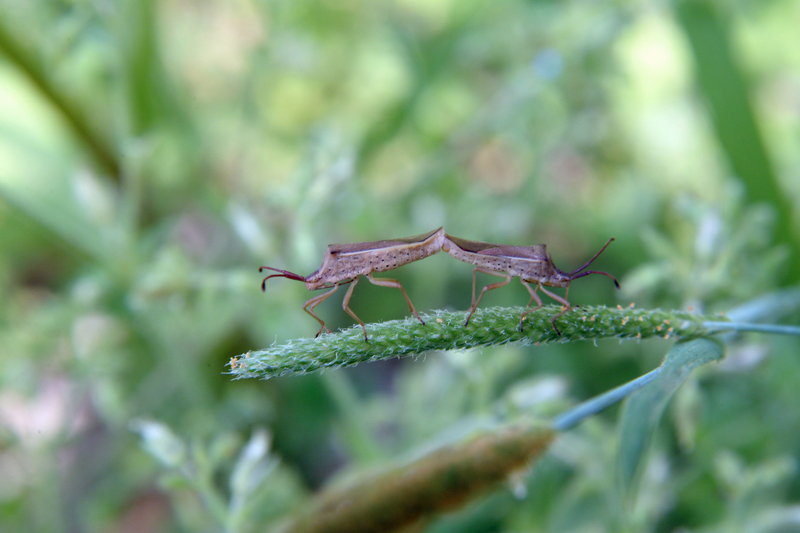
x: 344, y: 263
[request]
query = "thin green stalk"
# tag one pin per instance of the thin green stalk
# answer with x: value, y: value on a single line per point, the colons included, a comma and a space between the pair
x: 578, y: 414
x: 445, y: 330
x: 760, y: 328
x: 770, y: 307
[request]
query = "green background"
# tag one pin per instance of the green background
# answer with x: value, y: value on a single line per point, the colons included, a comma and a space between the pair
x: 154, y: 154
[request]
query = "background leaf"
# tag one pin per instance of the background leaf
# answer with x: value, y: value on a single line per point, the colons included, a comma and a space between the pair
x: 643, y: 410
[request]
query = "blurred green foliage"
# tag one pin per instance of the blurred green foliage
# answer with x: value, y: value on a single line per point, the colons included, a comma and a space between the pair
x: 154, y: 154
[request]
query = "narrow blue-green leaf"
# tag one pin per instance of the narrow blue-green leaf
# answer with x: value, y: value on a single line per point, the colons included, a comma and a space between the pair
x: 643, y: 410
x: 591, y: 407
x: 781, y: 329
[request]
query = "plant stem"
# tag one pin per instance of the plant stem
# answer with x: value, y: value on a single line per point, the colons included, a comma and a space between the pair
x: 445, y: 330
x: 588, y: 408
x: 772, y: 306
x: 748, y: 326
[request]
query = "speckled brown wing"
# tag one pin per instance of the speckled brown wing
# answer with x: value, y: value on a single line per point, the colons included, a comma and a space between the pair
x: 537, y: 252
x: 377, y: 245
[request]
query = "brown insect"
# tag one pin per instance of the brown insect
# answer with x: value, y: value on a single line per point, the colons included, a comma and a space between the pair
x: 532, y: 264
x: 344, y: 263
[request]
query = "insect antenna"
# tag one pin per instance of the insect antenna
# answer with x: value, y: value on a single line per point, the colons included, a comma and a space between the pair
x: 283, y: 274
x: 591, y: 260
x: 575, y: 274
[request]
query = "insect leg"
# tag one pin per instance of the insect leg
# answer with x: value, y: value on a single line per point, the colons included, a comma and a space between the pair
x: 309, y: 306
x: 394, y: 284
x: 534, y: 296
x: 346, y: 307
x: 472, y: 299
x: 562, y: 301
x: 485, y: 289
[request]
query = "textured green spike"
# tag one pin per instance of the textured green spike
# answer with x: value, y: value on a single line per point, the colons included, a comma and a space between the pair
x: 445, y: 330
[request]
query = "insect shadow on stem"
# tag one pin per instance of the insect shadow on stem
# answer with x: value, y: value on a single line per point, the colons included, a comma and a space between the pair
x: 344, y: 263
x: 531, y: 264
